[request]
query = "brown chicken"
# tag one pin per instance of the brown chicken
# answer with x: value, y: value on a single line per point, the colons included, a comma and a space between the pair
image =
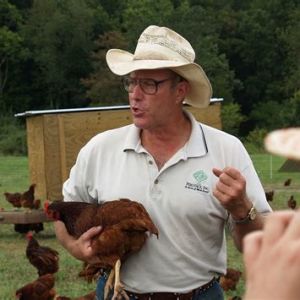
x: 91, y: 272
x: 40, y: 289
x: 124, y: 226
x: 292, y: 203
x: 24, y: 228
x: 230, y: 279
x: 287, y: 182
x: 269, y: 195
x: 89, y: 296
x: 13, y: 198
x: 27, y: 198
x: 43, y: 258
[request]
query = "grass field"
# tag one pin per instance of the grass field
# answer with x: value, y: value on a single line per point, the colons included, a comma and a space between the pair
x: 15, y: 270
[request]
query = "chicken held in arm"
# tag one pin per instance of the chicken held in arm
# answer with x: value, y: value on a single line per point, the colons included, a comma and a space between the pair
x: 124, y: 223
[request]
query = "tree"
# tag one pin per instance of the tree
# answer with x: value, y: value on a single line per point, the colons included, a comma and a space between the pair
x: 140, y: 14
x: 200, y: 27
x: 60, y: 34
x: 12, y: 50
x: 103, y: 87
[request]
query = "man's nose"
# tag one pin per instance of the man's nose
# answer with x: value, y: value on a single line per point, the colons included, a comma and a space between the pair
x: 137, y: 90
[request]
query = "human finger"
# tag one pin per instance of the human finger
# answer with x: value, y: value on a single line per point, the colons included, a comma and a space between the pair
x: 252, y: 243
x: 90, y: 233
x: 276, y: 224
x: 293, y: 230
x: 232, y: 173
x: 217, y: 172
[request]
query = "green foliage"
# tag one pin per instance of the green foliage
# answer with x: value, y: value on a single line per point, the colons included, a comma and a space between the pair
x: 52, y: 53
x: 103, y: 87
x: 272, y: 115
x: 12, y: 136
x: 140, y: 14
x: 254, y: 142
x: 11, y: 46
x: 232, y: 118
x: 205, y: 43
x: 61, y: 34
x: 269, y: 115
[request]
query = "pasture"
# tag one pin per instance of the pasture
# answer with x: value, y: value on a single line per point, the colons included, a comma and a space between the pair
x: 15, y: 270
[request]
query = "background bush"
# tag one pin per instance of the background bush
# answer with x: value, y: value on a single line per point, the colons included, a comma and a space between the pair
x: 12, y: 136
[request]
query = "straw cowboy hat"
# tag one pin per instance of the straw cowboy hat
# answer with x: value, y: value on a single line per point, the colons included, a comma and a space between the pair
x: 284, y: 142
x: 160, y: 48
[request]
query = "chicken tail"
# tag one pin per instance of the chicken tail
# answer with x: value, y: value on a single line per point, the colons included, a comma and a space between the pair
x: 140, y: 225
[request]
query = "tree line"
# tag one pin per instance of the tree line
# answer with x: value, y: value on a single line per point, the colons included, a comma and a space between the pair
x: 52, y: 53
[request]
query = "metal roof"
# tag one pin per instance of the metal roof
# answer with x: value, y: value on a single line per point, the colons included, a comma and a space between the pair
x: 72, y: 110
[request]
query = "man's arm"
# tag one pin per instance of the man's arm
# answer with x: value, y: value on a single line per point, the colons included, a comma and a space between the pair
x: 239, y: 230
x: 79, y: 248
x: 230, y: 190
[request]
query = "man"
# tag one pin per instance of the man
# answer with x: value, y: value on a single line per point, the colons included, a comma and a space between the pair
x: 191, y: 178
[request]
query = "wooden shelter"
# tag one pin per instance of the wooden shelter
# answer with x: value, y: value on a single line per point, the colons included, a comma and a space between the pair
x: 54, y: 138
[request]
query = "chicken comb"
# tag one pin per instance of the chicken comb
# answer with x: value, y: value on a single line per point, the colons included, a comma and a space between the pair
x: 46, y: 205
x: 29, y: 235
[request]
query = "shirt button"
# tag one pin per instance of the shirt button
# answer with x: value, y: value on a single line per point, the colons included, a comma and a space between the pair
x: 150, y: 162
x: 156, y: 181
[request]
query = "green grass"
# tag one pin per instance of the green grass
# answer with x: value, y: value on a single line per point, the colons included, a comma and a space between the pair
x: 15, y: 271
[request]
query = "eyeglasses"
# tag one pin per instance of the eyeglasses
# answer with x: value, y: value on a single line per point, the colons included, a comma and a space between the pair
x: 149, y: 86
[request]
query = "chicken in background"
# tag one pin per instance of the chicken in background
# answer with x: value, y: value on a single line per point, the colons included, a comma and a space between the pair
x: 292, y: 203
x: 39, y: 289
x: 125, y: 224
x: 43, y: 258
x: 27, y: 198
x: 230, y: 280
x: 13, y: 198
x: 269, y: 195
x: 24, y: 228
x: 287, y: 182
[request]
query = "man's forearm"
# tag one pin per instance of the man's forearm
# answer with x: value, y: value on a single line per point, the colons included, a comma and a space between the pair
x: 239, y: 230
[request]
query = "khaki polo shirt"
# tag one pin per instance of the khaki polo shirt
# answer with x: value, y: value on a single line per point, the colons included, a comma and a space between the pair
x: 191, y: 247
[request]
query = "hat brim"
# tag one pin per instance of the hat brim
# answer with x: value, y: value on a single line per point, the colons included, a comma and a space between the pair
x: 284, y: 142
x: 122, y: 62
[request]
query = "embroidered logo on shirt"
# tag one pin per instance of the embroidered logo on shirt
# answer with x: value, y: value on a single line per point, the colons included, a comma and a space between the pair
x: 200, y: 176
x: 197, y: 182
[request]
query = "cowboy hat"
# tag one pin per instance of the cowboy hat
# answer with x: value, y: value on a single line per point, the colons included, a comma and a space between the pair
x: 160, y: 48
x: 284, y: 142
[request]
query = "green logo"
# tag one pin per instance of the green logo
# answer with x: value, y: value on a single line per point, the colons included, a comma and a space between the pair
x: 200, y: 176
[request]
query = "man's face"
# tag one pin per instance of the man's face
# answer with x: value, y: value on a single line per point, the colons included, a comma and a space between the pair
x: 152, y: 110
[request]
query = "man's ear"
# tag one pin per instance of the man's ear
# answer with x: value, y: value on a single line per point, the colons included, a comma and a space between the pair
x: 182, y: 89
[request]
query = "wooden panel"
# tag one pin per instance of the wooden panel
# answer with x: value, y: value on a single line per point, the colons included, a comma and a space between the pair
x: 35, y: 144
x: 22, y: 217
x: 78, y: 128
x: 52, y: 157
x: 210, y: 115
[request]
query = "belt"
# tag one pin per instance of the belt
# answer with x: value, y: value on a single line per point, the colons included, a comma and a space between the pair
x: 172, y: 296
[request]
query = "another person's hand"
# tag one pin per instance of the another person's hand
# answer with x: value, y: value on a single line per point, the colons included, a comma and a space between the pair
x: 230, y: 190
x: 272, y: 258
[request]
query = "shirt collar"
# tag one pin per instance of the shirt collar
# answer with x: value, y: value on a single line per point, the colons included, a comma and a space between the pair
x: 195, y: 147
